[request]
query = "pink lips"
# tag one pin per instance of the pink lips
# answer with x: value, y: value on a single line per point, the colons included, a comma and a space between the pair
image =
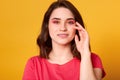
x: 62, y: 35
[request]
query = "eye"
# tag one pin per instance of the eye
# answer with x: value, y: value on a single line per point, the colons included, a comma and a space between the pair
x: 56, y: 22
x: 71, y: 22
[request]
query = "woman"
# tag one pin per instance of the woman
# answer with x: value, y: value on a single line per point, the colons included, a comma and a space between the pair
x: 64, y: 48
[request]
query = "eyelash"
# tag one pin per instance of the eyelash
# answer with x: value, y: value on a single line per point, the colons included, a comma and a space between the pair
x: 56, y: 22
x: 68, y: 22
x: 71, y: 22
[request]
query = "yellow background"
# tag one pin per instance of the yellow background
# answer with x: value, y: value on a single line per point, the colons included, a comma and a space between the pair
x: 20, y: 22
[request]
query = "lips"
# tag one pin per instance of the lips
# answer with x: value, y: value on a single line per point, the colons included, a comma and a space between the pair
x: 62, y: 35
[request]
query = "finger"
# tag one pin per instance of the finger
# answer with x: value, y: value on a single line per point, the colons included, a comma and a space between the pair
x: 80, y: 31
x: 79, y: 27
x: 76, y: 27
x: 76, y: 39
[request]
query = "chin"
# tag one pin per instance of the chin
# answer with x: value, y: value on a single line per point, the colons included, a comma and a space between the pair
x: 64, y: 42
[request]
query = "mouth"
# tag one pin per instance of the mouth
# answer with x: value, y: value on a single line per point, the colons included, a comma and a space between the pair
x: 62, y: 35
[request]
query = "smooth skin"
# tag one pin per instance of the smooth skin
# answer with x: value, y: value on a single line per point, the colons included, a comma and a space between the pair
x: 87, y: 72
x: 62, y: 29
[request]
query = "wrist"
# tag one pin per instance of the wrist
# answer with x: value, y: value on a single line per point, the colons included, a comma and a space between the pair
x: 86, y: 55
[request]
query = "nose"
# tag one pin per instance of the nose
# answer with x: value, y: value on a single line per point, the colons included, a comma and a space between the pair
x: 63, y: 27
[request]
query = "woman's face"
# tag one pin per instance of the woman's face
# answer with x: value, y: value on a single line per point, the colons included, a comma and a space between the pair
x: 61, y: 25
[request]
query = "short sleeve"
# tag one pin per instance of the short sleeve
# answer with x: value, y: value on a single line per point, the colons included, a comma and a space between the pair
x: 97, y: 63
x: 29, y: 70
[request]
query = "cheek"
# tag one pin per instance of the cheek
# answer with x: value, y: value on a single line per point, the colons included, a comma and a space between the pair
x: 72, y: 31
x: 52, y: 30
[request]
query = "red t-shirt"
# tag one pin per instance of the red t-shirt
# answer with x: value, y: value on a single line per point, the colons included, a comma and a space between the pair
x: 41, y: 69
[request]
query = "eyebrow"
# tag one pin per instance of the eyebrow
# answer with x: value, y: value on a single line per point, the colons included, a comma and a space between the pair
x: 60, y: 19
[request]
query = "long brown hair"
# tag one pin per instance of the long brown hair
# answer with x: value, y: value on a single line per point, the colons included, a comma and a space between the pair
x: 44, y: 40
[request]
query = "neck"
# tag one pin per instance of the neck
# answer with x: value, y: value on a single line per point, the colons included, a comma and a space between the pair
x: 60, y: 54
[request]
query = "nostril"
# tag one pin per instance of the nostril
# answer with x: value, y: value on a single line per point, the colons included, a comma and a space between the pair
x: 63, y: 29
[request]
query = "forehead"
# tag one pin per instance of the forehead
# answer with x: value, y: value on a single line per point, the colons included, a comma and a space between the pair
x: 62, y: 13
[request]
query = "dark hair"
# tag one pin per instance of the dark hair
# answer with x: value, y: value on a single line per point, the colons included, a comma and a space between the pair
x: 44, y: 40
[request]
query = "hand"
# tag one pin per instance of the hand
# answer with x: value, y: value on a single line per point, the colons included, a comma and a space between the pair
x: 82, y: 44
